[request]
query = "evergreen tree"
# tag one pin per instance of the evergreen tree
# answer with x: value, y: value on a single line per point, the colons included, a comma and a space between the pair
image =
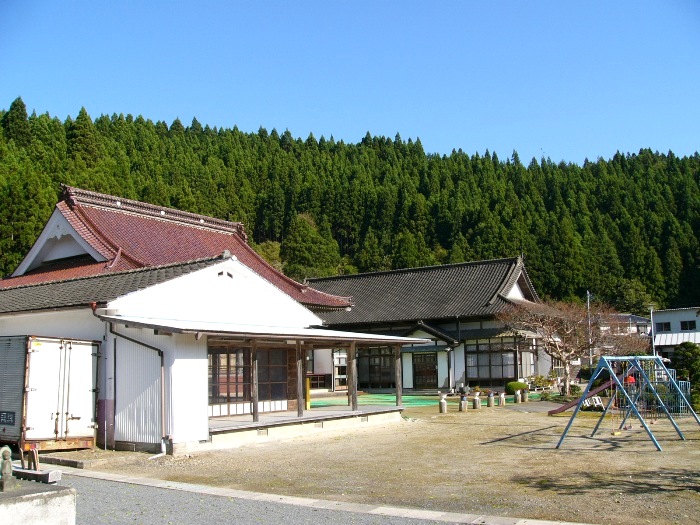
x: 307, y: 252
x: 15, y: 124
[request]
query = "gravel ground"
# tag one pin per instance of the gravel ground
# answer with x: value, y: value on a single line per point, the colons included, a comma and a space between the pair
x: 498, y: 462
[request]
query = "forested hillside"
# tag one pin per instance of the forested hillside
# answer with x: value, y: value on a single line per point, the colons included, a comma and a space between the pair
x: 626, y: 228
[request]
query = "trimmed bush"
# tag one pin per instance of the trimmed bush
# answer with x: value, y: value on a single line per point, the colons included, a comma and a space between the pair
x: 515, y: 385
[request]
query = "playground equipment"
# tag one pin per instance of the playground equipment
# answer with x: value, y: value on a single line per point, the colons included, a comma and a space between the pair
x: 643, y: 387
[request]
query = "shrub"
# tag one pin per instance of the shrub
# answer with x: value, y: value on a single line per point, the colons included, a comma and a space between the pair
x: 540, y: 381
x: 546, y: 396
x: 575, y: 390
x: 515, y: 385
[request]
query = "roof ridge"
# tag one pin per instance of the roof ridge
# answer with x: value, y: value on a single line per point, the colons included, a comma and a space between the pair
x: 144, y: 269
x: 302, y: 287
x: 507, y: 278
x: 415, y: 269
x: 76, y: 196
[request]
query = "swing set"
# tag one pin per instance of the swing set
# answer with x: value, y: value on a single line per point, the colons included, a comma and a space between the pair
x: 642, y: 386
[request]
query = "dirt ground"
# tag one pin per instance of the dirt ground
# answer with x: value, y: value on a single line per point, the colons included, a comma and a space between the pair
x: 497, y: 461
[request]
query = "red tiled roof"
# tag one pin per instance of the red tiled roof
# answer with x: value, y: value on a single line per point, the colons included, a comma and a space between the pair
x: 131, y: 234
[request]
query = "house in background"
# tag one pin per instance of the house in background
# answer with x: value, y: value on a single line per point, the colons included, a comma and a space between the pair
x: 673, y: 327
x: 190, y: 323
x: 630, y: 324
x: 454, y: 306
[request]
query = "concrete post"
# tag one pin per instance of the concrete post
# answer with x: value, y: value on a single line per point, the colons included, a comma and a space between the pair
x: 502, y: 399
x: 476, y: 402
x: 443, y: 403
x: 525, y: 396
x: 516, y: 397
x: 463, y: 403
x: 489, y: 400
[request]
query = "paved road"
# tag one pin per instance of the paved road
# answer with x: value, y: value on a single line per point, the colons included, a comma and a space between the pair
x: 102, y: 502
x: 113, y: 499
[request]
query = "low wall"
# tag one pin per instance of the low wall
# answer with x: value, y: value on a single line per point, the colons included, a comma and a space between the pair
x: 262, y: 432
x: 38, y: 504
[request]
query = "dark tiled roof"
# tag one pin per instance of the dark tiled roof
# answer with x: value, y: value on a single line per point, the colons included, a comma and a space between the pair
x: 436, y: 292
x: 131, y: 234
x: 97, y: 288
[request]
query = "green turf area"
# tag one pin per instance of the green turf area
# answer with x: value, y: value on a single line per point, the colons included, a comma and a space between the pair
x: 390, y: 399
x: 376, y: 399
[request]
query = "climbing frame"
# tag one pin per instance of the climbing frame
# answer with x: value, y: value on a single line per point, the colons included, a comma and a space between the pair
x: 644, y: 387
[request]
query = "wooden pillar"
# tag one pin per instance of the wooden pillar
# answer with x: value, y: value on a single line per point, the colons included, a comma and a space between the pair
x: 348, y: 375
x: 254, y: 381
x: 352, y: 382
x: 300, y: 380
x: 398, y: 375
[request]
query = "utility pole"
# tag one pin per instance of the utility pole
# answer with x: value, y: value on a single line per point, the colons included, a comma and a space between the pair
x: 651, y: 329
x: 590, y: 344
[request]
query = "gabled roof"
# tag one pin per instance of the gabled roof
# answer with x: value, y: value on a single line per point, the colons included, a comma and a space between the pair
x: 435, y: 332
x: 120, y: 234
x: 473, y: 289
x: 100, y: 289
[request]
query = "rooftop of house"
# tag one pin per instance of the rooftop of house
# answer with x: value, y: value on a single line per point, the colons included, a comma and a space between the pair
x: 472, y: 289
x: 91, y: 234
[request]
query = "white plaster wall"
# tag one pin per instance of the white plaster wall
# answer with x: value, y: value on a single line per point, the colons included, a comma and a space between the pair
x: 323, y: 361
x: 228, y: 292
x: 71, y: 324
x: 544, y: 363
x: 188, y: 389
x: 515, y: 292
x: 675, y: 317
x: 443, y: 372
x: 407, y: 369
x: 459, y: 366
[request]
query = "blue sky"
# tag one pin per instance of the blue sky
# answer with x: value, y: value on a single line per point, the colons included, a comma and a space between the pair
x: 559, y: 79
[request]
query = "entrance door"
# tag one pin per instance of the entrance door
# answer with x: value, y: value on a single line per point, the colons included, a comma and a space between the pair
x: 425, y: 374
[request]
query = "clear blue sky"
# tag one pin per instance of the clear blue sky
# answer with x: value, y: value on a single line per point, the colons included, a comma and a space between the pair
x: 560, y: 79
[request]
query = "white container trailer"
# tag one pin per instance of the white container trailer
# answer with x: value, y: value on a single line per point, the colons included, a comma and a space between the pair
x: 48, y: 392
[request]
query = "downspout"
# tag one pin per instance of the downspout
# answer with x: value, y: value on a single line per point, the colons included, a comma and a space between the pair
x: 162, y: 378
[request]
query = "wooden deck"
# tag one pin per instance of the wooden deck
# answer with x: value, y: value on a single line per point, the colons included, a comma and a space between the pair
x: 239, y: 423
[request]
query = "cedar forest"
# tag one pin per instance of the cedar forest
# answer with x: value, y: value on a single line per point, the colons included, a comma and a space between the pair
x: 625, y: 228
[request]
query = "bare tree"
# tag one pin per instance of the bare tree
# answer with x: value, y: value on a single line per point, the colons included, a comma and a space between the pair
x: 569, y: 331
x: 615, y: 337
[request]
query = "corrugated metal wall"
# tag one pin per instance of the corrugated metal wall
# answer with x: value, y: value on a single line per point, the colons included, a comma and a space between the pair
x: 138, y: 393
x: 12, y: 361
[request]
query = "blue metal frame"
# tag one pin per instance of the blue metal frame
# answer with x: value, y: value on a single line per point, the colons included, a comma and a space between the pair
x: 634, y: 364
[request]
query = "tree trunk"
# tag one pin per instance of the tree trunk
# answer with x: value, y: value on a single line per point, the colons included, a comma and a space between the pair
x: 567, y: 377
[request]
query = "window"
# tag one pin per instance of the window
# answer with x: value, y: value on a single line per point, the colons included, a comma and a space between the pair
x: 230, y: 375
x: 663, y: 327
x: 687, y: 325
x: 272, y: 374
x: 490, y: 360
x: 375, y: 368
